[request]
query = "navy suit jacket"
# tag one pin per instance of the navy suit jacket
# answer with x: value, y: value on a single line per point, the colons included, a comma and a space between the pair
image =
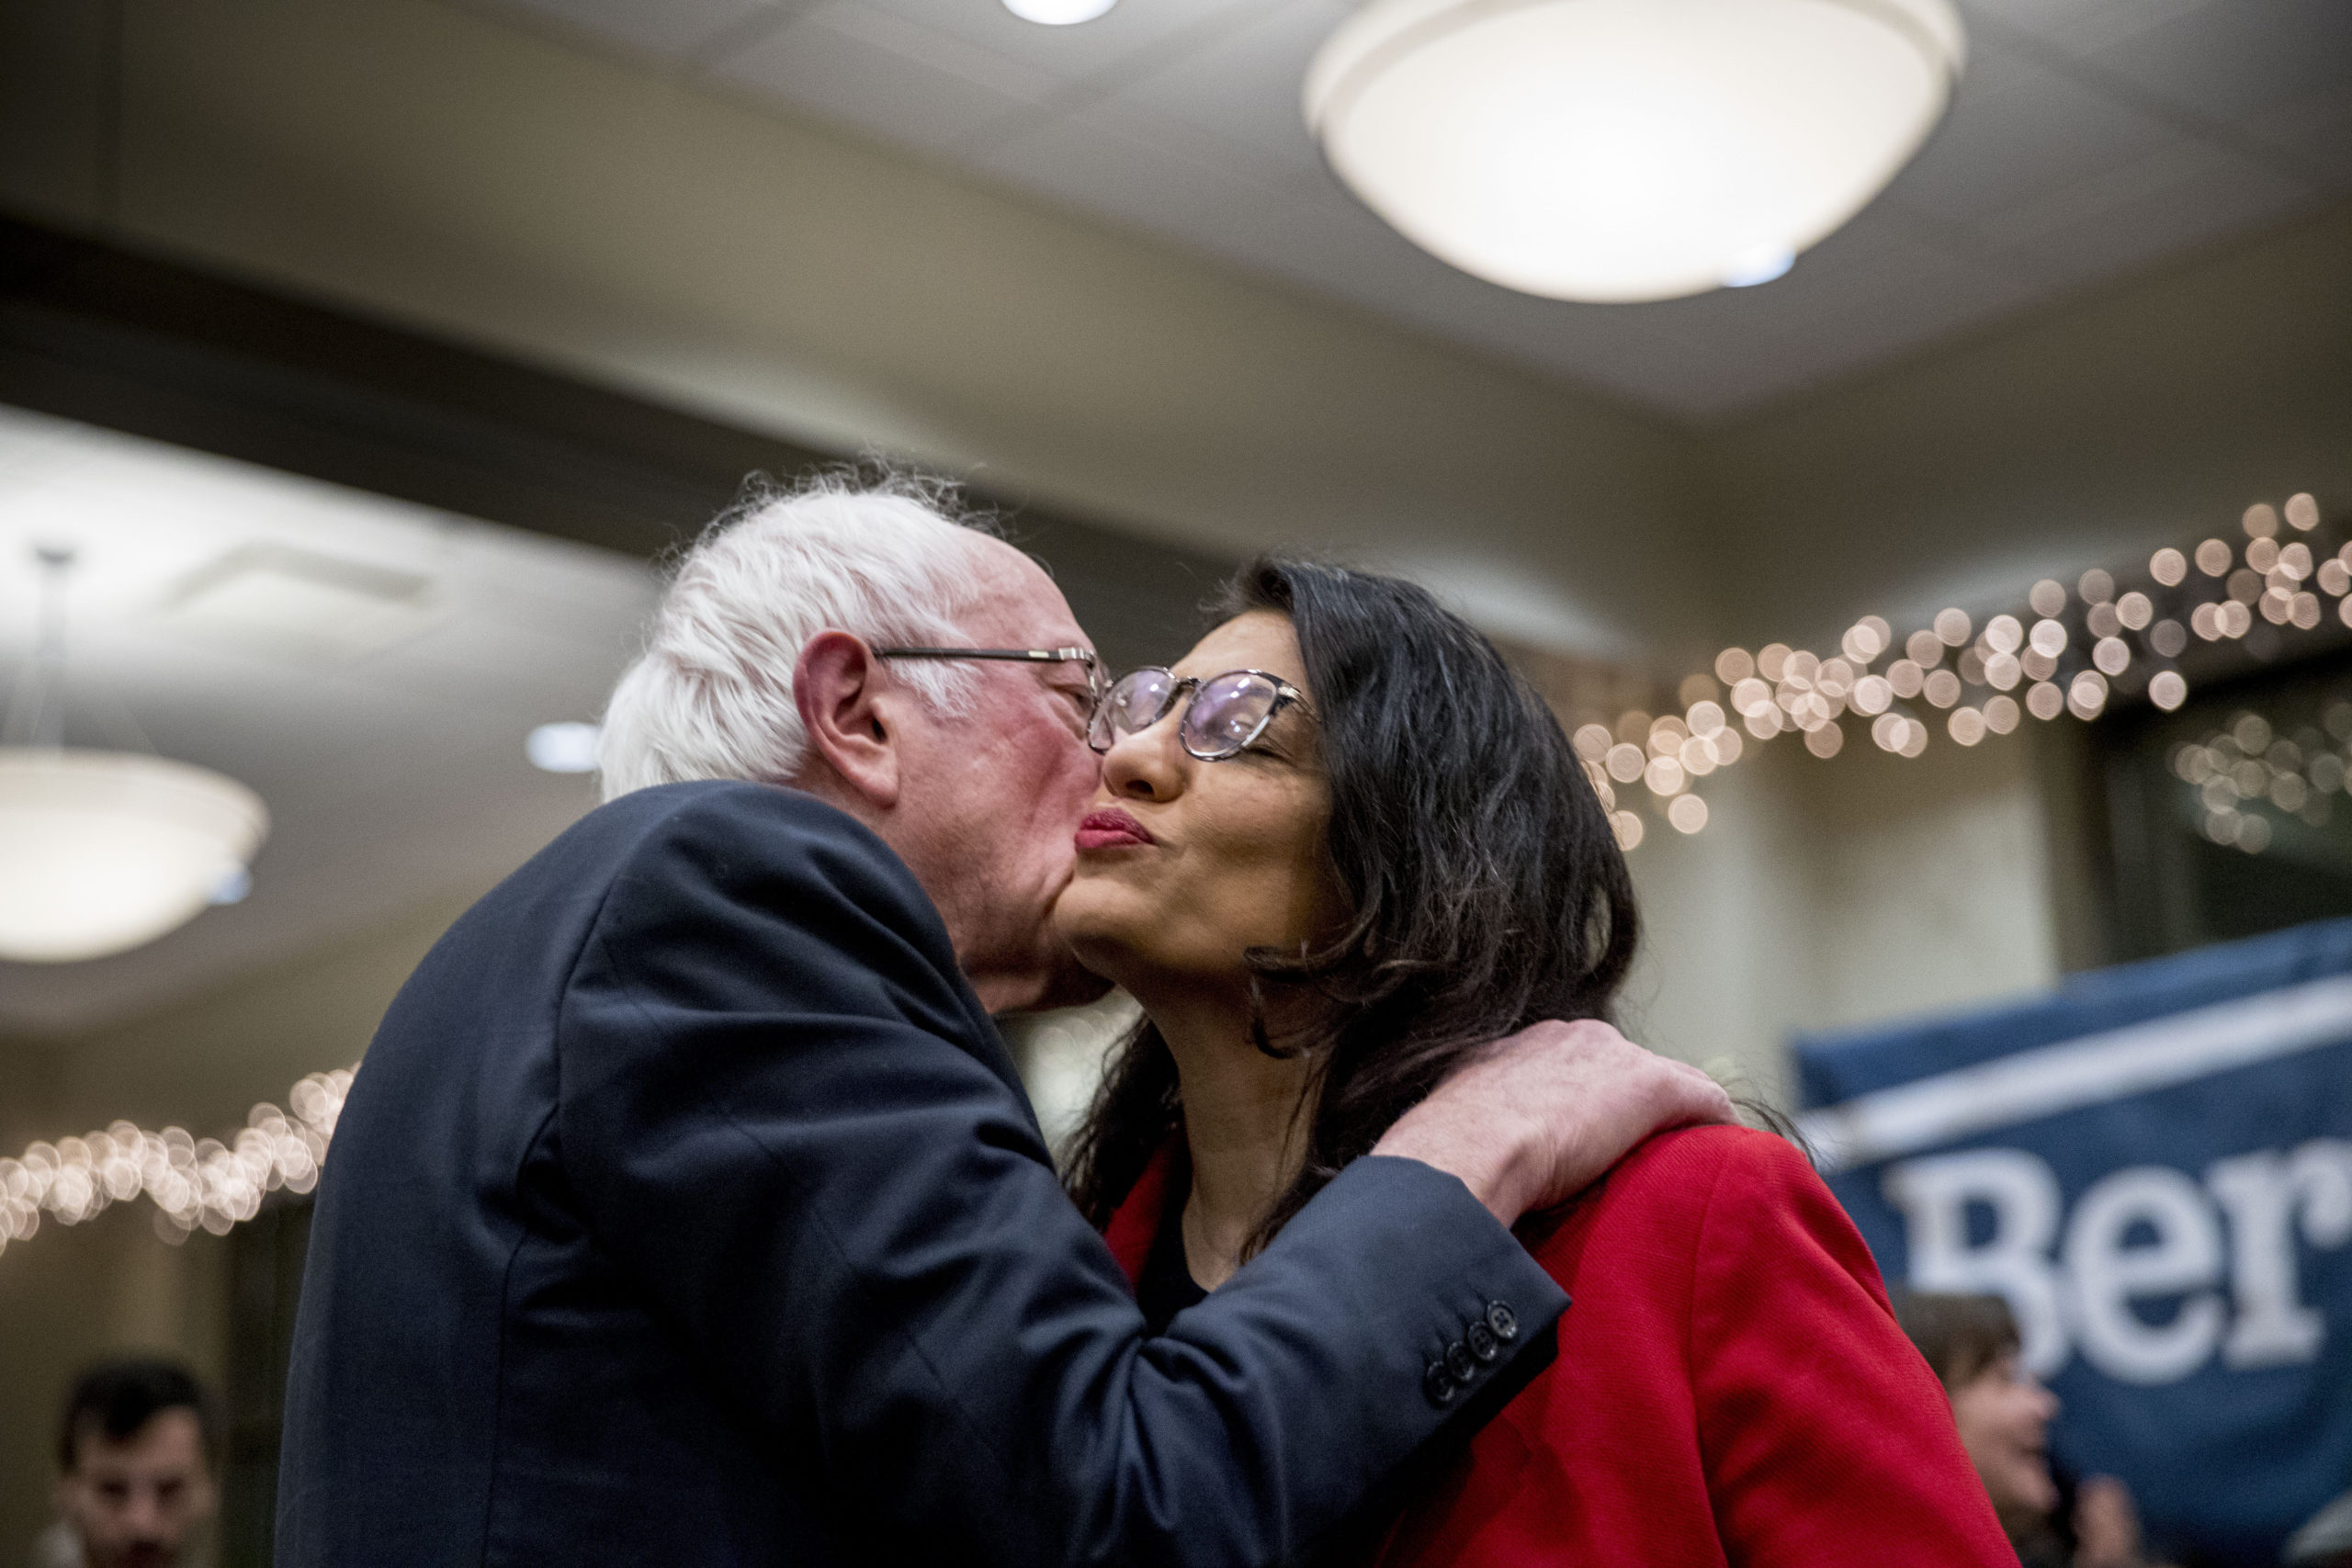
x: 687, y: 1209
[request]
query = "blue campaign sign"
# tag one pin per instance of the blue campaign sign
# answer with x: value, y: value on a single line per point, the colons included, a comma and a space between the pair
x: 2155, y: 1165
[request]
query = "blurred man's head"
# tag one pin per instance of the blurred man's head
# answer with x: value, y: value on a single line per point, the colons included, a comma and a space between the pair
x: 771, y: 659
x: 2002, y: 1410
x: 136, y: 1454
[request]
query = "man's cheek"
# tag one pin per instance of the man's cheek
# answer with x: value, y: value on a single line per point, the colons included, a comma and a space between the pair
x: 1074, y: 764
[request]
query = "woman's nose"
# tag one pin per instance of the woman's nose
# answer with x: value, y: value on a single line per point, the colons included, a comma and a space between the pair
x: 1147, y: 764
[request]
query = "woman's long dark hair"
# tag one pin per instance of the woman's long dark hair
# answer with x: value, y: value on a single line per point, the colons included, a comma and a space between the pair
x: 1486, y: 890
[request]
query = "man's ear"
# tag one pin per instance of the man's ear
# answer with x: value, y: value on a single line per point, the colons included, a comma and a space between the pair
x: 837, y: 688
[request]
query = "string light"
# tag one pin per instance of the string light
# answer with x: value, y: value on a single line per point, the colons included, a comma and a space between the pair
x: 2077, y: 649
x: 2249, y: 768
x: 195, y: 1183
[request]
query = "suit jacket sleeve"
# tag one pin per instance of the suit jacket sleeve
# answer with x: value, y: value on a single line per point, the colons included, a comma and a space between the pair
x: 1826, y: 1437
x: 784, y: 1112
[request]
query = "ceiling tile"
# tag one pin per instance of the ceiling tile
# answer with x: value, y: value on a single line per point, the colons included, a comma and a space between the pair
x: 1871, y: 291
x: 1106, y: 159
x: 873, y: 70
x: 1326, y: 233
x: 2183, y: 196
x: 1875, y: 326
x: 1322, y: 239
x: 1199, y: 141
x: 2317, y: 134
x: 2277, y: 70
x: 1870, y: 258
x: 1246, y: 85
x: 1338, y: 246
x: 2089, y: 30
x: 672, y: 27
x: 2016, y: 132
x: 1986, y: 19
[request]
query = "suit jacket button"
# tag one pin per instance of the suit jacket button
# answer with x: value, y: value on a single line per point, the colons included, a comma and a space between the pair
x: 1438, y: 1384
x: 1503, y: 1321
x: 1460, y: 1362
x: 1482, y: 1341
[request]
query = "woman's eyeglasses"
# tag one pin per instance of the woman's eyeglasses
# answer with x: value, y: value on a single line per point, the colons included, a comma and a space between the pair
x: 1226, y: 713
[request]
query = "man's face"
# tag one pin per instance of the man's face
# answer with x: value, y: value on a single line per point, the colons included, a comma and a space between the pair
x: 990, y: 808
x: 136, y: 1503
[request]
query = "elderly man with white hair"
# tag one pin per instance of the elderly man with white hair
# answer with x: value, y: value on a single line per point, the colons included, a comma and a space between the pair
x: 687, y: 1208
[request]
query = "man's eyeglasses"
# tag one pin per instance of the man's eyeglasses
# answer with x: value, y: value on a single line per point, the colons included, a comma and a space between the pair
x: 1224, y: 715
x: 1098, y: 679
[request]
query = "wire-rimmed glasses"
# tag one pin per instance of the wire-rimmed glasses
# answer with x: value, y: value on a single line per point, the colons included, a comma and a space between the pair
x: 1098, y: 678
x: 1224, y: 716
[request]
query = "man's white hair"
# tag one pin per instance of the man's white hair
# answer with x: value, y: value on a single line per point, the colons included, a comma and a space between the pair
x: 888, y: 560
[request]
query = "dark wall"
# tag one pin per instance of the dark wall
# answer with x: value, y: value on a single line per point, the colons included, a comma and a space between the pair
x: 265, y: 1257
x: 135, y: 342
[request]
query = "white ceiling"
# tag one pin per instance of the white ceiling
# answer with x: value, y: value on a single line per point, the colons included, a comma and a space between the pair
x: 2089, y: 138
x: 392, y: 779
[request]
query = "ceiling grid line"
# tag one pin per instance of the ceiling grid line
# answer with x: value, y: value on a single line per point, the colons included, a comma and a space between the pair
x: 2178, y: 117
x: 733, y: 37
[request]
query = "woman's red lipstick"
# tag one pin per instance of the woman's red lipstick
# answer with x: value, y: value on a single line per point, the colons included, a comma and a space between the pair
x: 1110, y: 829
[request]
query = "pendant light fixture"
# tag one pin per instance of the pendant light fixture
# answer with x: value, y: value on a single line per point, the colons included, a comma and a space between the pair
x: 1058, y: 13
x: 1626, y: 150
x: 104, y: 850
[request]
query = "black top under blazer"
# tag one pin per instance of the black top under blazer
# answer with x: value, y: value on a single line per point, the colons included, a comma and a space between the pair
x: 687, y: 1209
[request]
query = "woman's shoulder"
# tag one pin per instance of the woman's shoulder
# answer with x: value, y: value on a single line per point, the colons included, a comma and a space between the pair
x: 1665, y: 1190
x: 1690, y: 1165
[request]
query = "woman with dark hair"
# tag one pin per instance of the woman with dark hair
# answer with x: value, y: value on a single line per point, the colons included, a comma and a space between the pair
x: 1971, y: 1344
x: 1340, y: 844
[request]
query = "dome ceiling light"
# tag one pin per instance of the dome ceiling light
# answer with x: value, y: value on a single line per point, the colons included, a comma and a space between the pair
x: 1613, y: 151
x: 1058, y: 13
x: 106, y: 851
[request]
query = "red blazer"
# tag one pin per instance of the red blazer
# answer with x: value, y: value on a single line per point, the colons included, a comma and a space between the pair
x: 1731, y: 1387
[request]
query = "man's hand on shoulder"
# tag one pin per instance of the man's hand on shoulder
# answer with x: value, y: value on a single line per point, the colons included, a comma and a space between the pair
x: 1540, y: 1115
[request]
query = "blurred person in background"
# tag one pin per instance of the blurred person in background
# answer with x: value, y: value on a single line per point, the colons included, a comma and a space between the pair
x: 138, y: 1456
x: 2004, y: 1414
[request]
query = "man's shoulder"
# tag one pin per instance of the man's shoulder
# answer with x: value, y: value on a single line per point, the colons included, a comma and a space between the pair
x: 659, y: 806
x: 695, y: 859
x: 719, y: 854
x: 730, y: 827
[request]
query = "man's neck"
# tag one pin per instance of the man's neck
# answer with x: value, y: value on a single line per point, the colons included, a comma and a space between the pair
x: 1004, y: 982
x: 1243, y: 1125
